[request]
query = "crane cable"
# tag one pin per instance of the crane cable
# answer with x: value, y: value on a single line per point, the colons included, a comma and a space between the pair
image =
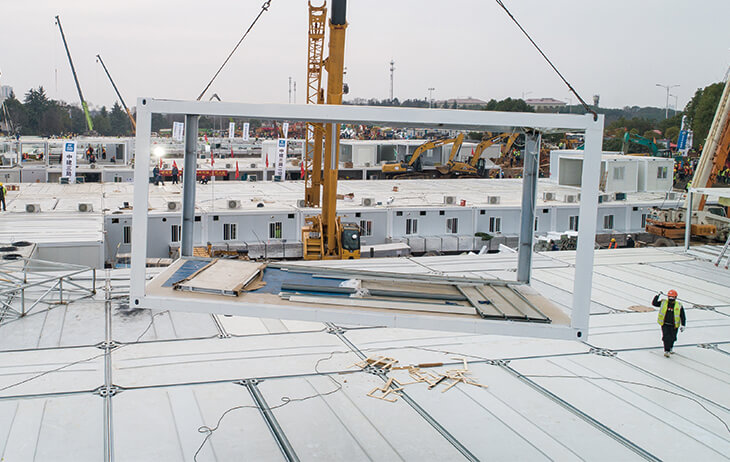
x: 264, y: 7
x: 570, y: 87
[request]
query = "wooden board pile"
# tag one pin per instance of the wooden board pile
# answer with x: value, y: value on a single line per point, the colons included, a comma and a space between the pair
x: 419, y: 373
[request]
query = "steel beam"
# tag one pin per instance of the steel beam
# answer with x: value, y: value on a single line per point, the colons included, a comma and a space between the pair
x: 189, y: 175
x: 530, y: 172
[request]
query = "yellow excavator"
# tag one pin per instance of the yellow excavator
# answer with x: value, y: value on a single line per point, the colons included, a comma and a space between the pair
x: 476, y: 165
x: 412, y: 162
x: 324, y: 236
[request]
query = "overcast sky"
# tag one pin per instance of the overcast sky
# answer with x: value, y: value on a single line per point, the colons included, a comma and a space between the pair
x: 619, y: 49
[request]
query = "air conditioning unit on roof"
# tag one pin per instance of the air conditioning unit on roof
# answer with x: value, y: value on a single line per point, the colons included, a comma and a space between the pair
x: 301, y: 203
x: 570, y: 198
x: 33, y: 208
x: 548, y: 196
x: 174, y: 206
x: 493, y: 200
x: 85, y: 207
x: 449, y: 200
x: 368, y: 202
x: 234, y: 204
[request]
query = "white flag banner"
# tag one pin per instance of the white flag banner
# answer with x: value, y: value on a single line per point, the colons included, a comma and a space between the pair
x: 231, y: 130
x: 246, y: 126
x: 178, y: 131
x: 285, y: 129
x: 280, y: 166
x: 68, y: 168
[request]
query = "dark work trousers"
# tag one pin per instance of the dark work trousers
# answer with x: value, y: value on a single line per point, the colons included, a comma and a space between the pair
x: 669, y: 336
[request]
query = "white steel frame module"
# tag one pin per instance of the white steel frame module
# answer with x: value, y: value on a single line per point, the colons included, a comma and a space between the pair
x: 532, y: 123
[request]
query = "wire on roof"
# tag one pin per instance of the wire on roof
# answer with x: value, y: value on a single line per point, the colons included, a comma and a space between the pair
x: 264, y: 7
x: 570, y: 87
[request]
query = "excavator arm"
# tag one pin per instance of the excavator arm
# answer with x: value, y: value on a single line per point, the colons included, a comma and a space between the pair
x: 455, y: 148
x: 432, y: 144
x: 631, y: 138
x: 509, y: 138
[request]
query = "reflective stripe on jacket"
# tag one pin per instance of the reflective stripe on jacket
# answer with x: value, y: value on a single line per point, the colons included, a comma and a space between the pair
x: 663, y: 313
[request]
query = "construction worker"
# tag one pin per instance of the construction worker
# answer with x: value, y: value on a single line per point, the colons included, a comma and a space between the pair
x: 613, y: 244
x: 671, y: 316
x: 630, y: 242
x: 3, y: 193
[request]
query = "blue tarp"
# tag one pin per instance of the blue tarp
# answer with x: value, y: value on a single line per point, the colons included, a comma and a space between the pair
x: 187, y: 269
x: 274, y: 278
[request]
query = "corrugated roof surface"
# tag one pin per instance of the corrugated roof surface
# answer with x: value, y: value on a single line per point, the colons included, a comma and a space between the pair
x: 614, y: 397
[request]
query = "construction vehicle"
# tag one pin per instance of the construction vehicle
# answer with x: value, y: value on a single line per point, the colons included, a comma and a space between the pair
x: 476, y: 166
x: 84, y: 106
x: 638, y: 139
x: 324, y: 236
x: 412, y: 162
x: 573, y: 140
x: 131, y: 119
x: 711, y: 222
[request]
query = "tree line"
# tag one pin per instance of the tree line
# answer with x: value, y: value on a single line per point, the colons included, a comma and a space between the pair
x: 41, y: 116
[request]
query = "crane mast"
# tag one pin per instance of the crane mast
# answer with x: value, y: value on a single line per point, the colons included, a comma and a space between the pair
x: 335, y: 65
x: 315, y: 131
x: 324, y: 236
x: 85, y: 107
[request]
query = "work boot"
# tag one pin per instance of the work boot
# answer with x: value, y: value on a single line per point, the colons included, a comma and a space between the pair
x: 666, y: 354
x: 671, y: 352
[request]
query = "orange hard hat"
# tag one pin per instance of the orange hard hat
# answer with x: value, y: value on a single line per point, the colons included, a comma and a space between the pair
x: 672, y: 293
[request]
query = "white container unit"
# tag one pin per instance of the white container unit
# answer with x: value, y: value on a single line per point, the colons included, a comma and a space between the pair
x: 656, y: 174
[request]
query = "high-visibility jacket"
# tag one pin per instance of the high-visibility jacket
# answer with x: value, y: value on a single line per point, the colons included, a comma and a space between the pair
x: 677, y: 312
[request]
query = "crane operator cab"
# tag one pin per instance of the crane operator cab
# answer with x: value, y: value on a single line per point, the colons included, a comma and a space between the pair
x: 350, y: 239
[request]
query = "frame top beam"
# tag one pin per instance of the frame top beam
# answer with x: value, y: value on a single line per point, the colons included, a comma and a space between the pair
x: 373, y: 115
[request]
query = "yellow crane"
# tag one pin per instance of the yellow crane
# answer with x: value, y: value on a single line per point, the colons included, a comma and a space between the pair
x: 324, y: 236
x: 412, y: 162
x: 313, y: 142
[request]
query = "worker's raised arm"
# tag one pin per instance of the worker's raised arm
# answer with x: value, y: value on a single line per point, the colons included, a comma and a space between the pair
x: 656, y: 301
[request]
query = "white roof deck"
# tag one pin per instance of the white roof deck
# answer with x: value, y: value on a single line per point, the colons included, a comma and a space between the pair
x: 613, y: 397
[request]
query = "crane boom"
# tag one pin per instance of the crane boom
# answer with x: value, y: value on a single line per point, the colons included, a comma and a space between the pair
x: 85, y: 107
x: 715, y: 151
x: 131, y: 119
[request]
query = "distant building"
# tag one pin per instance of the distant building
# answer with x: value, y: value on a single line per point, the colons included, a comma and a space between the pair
x: 463, y: 102
x: 545, y: 104
x: 5, y: 92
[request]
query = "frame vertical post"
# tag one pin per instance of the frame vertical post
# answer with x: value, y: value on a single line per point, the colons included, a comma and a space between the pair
x: 138, y: 275
x: 588, y: 211
x: 529, y: 198
x: 190, y: 162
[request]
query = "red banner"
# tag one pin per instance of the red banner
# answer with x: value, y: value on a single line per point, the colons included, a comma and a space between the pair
x: 198, y: 173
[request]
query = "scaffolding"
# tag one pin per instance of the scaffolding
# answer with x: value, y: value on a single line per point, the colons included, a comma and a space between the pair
x: 29, y: 285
